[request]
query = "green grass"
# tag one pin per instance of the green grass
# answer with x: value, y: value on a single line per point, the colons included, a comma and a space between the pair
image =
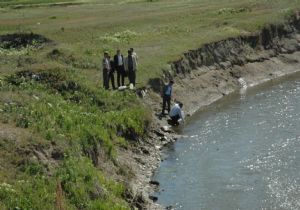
x: 162, y: 29
x: 5, y: 3
x: 76, y: 118
x: 68, y: 111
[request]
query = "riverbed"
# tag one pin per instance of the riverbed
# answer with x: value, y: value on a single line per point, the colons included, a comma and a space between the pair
x: 241, y: 153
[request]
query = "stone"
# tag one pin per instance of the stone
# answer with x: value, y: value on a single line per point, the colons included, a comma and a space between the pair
x: 153, y: 198
x: 164, y: 138
x: 166, y: 128
x: 154, y: 182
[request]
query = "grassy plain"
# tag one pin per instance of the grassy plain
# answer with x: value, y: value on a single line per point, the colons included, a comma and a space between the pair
x: 55, y: 118
x: 159, y: 31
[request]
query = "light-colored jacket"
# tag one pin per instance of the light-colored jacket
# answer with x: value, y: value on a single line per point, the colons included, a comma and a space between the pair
x: 176, y: 110
x: 106, y: 64
x: 136, y: 56
x: 134, y: 62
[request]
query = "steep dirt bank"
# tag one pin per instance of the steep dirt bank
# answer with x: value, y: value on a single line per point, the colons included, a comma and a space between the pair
x: 204, y: 76
x: 214, y: 70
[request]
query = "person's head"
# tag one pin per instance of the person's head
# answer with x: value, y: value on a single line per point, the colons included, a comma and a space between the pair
x: 105, y: 54
x: 118, y: 52
x: 180, y: 105
x: 129, y: 52
x: 171, y: 82
x: 131, y: 49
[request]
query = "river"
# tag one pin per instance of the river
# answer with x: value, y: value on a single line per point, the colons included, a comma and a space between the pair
x: 241, y: 153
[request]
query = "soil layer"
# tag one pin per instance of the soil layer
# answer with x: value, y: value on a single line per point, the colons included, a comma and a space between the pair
x: 205, y: 75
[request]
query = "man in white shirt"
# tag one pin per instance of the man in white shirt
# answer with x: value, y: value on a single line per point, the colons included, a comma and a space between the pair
x: 176, y: 114
x: 119, y: 65
x: 106, y: 66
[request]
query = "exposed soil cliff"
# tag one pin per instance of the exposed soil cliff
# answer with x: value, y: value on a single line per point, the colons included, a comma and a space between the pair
x: 207, y: 74
x: 212, y: 71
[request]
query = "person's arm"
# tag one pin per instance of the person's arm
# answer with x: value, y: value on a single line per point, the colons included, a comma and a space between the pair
x: 125, y: 64
x: 112, y: 66
x: 163, y: 91
x: 104, y: 64
x: 116, y: 59
x: 135, y: 62
x: 181, y: 115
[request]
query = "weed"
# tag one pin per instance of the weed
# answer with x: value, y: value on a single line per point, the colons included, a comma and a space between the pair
x: 119, y: 37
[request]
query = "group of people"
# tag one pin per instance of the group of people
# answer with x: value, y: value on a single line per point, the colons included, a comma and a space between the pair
x: 124, y: 66
x: 127, y: 66
x: 175, y: 113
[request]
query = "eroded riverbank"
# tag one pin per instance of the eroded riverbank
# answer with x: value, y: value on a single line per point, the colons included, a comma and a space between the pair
x: 267, y: 55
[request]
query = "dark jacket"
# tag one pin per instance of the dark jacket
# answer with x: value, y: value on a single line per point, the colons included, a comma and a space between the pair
x: 116, y: 60
x: 112, y: 66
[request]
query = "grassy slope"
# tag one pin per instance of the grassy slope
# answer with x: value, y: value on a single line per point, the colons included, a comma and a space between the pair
x: 45, y: 123
x: 81, y: 121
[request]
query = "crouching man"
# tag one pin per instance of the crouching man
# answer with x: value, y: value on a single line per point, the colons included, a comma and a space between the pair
x: 176, y: 114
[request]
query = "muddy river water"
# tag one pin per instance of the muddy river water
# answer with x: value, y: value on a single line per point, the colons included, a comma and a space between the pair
x: 241, y: 153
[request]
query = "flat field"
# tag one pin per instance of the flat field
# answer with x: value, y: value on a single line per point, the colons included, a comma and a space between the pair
x: 159, y: 30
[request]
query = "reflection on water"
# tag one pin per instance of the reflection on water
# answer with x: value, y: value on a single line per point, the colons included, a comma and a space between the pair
x: 242, y: 155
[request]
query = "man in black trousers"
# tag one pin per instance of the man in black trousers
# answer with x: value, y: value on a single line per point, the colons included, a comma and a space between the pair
x: 166, y: 95
x: 111, y: 75
x: 130, y: 65
x: 119, y: 66
x: 106, y: 67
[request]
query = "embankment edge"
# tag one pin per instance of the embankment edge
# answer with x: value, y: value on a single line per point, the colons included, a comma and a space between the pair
x: 203, y: 76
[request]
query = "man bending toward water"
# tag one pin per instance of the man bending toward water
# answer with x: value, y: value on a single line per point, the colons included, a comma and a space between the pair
x: 176, y: 114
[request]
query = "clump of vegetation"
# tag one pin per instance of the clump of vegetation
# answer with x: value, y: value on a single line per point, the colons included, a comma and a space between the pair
x: 37, y: 192
x: 119, y: 37
x: 85, y: 123
x: 22, y: 40
x: 234, y: 10
x: 18, y: 44
x: 70, y: 59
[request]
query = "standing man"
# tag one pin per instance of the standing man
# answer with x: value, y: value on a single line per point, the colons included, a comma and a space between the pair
x: 130, y: 65
x: 166, y: 95
x: 134, y: 54
x: 106, y: 66
x: 119, y: 65
x: 111, y: 75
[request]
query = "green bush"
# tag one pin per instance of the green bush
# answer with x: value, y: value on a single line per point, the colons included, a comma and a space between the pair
x: 96, y: 121
x: 37, y: 192
x: 87, y: 188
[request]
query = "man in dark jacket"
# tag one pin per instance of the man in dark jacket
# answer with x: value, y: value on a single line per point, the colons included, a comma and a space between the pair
x: 166, y: 95
x: 119, y: 66
x: 111, y: 75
